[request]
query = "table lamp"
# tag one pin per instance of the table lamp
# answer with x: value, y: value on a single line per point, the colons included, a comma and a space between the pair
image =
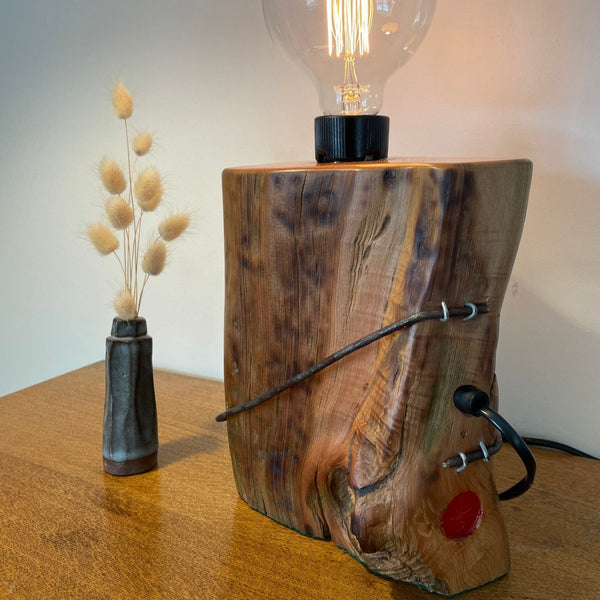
x: 363, y: 298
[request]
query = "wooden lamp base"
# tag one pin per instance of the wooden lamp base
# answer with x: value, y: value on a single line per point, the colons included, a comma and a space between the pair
x: 318, y: 256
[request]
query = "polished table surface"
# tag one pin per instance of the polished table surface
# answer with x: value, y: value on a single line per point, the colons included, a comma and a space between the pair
x: 68, y: 530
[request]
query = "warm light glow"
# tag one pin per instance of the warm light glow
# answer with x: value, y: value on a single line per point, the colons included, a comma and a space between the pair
x: 389, y: 28
x: 348, y: 26
x: 349, y: 47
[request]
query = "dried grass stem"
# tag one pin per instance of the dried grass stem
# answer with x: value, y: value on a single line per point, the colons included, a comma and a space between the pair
x: 125, y: 215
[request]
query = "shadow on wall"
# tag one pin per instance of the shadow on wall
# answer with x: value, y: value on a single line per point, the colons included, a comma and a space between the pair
x: 559, y: 258
x: 547, y: 359
x: 548, y: 371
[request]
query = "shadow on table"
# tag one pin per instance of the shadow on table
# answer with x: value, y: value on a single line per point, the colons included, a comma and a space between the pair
x: 177, y: 450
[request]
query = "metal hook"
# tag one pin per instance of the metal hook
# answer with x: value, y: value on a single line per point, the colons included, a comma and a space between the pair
x: 484, y: 450
x: 475, y: 402
x: 446, y: 316
x: 473, y: 311
x: 465, y: 462
x: 482, y: 453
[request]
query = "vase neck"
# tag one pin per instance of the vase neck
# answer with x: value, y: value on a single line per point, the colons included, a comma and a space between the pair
x: 128, y: 329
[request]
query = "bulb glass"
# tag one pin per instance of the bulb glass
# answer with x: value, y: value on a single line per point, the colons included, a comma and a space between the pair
x: 349, y: 47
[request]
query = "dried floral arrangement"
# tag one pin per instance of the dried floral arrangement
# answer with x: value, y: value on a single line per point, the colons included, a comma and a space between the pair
x: 132, y: 195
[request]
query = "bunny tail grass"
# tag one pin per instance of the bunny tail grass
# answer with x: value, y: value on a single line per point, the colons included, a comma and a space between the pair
x: 125, y: 306
x: 142, y: 143
x: 103, y: 239
x: 173, y: 226
x: 122, y: 102
x: 155, y: 258
x: 119, y: 212
x: 112, y: 177
x: 148, y: 189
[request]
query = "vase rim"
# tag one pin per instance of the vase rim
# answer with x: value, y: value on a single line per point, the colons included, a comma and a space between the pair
x: 126, y: 329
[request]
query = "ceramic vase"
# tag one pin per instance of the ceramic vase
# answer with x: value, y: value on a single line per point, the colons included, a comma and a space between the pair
x: 130, y: 429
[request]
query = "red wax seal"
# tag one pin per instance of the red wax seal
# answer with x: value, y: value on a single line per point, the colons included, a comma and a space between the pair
x: 462, y: 516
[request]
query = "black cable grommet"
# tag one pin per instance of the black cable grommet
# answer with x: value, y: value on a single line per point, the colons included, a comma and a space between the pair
x: 473, y: 401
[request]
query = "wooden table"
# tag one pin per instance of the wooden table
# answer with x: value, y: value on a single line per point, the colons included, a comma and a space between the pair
x: 68, y: 530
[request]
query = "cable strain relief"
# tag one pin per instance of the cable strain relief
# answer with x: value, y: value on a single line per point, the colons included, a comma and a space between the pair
x: 471, y: 400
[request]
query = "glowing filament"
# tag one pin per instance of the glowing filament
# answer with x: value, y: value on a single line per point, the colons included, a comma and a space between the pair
x: 348, y: 26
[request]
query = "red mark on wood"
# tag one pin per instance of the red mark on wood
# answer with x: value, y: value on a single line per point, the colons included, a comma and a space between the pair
x: 462, y: 516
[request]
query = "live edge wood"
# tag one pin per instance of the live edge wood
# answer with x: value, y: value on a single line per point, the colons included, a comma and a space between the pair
x: 317, y: 258
x: 69, y: 530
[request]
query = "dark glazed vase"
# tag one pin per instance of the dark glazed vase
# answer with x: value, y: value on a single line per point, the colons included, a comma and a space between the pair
x: 130, y: 432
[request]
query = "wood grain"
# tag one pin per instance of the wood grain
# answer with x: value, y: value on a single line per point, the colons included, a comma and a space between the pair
x: 317, y: 258
x: 68, y: 530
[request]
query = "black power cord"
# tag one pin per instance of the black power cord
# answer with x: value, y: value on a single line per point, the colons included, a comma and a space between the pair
x: 468, y: 311
x: 541, y: 443
x: 468, y: 399
x: 473, y: 401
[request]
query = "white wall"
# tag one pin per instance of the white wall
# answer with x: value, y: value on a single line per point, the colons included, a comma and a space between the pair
x: 493, y: 78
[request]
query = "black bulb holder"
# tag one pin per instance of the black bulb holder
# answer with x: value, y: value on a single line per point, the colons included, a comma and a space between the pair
x: 351, y: 138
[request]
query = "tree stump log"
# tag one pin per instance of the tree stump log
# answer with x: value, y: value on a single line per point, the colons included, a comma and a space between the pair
x: 318, y: 256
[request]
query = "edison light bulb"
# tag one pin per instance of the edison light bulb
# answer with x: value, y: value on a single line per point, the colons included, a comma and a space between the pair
x: 349, y: 47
